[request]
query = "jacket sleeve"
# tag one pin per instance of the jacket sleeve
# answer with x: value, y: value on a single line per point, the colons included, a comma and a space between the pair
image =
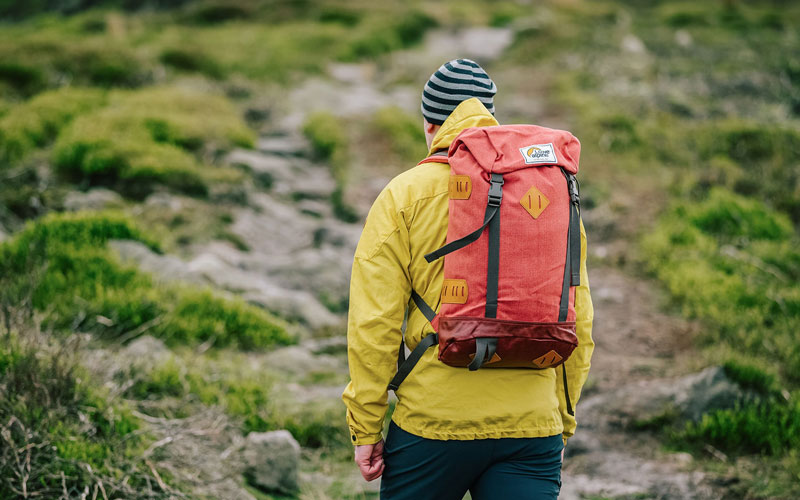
x: 380, y: 288
x: 577, y: 365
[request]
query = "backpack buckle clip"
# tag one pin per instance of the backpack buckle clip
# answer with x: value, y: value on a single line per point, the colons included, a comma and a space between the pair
x: 496, y: 190
x: 574, y: 192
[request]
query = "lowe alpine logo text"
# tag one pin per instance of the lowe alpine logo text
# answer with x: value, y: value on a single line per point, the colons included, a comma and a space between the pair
x: 539, y: 153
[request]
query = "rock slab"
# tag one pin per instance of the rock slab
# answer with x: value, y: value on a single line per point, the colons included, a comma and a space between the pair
x: 272, y: 460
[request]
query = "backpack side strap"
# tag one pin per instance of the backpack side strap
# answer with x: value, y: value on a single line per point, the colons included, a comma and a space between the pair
x: 406, y: 365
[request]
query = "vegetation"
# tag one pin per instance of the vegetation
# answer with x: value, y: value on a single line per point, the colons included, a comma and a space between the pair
x: 35, y: 123
x: 80, y: 284
x: 61, y: 435
x: 149, y: 137
x: 331, y: 144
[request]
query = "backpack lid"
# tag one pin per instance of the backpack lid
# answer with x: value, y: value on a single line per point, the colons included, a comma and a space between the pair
x: 506, y: 148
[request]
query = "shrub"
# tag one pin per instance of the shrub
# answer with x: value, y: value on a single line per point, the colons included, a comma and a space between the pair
x: 36, y: 123
x: 387, y: 35
x: 729, y: 216
x: 26, y: 79
x: 81, y: 284
x: 191, y: 60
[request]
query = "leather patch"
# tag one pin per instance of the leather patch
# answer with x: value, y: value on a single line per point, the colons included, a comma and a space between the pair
x: 460, y: 187
x: 494, y: 359
x: 454, y: 292
x: 547, y: 360
x: 534, y: 202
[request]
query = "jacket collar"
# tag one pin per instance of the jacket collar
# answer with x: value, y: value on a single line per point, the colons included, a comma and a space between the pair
x: 470, y: 113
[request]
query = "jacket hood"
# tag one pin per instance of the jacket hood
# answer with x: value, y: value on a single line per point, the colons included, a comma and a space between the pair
x: 470, y: 113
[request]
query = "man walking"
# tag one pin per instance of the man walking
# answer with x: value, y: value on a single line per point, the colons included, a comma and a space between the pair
x: 498, y: 433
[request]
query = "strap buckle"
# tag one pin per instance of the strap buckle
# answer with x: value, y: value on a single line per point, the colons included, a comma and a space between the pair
x: 496, y: 190
x: 574, y: 191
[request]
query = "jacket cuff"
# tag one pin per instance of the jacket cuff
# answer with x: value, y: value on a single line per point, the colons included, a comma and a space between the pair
x: 357, y: 439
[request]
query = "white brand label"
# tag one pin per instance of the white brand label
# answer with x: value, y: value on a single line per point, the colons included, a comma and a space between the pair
x: 539, y: 153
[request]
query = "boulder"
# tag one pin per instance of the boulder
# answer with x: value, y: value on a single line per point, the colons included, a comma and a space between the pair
x: 163, y: 267
x: 272, y: 460
x: 685, y: 398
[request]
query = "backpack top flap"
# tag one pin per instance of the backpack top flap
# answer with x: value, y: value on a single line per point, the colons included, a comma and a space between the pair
x: 506, y: 148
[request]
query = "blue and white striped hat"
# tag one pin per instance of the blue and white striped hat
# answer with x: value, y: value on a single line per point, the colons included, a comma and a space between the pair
x: 454, y: 82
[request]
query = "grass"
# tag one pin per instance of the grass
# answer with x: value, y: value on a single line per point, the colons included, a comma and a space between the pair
x: 80, y: 284
x: 62, y: 435
x: 252, y: 395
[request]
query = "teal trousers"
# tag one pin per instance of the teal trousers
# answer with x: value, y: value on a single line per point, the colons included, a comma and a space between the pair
x: 490, y: 469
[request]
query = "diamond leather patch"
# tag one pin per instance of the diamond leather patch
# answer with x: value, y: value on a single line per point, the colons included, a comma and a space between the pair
x: 494, y: 359
x: 534, y: 202
x: 547, y: 360
x: 460, y: 187
x: 454, y: 292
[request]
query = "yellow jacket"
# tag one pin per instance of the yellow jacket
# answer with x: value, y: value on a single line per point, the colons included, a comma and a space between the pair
x: 436, y: 401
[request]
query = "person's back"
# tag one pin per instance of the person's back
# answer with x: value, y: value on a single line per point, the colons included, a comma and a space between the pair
x: 496, y: 432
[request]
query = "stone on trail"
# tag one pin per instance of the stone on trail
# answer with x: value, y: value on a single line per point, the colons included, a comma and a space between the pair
x: 93, y: 199
x: 272, y: 460
x: 284, y: 145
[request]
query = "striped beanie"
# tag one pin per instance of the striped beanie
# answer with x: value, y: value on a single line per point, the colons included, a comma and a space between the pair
x: 454, y: 82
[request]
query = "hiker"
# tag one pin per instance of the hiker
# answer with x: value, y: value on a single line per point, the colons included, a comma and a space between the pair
x: 481, y: 415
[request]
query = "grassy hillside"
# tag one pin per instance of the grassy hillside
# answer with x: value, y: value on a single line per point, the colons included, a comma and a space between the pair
x: 689, y: 116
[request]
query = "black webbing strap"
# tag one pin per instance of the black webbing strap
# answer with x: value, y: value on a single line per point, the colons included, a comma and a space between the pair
x: 492, y: 209
x: 493, y: 268
x: 572, y: 259
x: 401, y: 354
x: 566, y: 390
x: 423, y: 306
x: 404, y: 366
x: 574, y: 229
x: 412, y: 360
x: 484, y: 351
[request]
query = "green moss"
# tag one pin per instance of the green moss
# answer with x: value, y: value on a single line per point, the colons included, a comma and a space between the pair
x: 142, y: 139
x: 79, y: 281
x: 37, y: 122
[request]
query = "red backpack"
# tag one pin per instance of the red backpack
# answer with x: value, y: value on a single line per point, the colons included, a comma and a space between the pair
x: 512, y: 257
